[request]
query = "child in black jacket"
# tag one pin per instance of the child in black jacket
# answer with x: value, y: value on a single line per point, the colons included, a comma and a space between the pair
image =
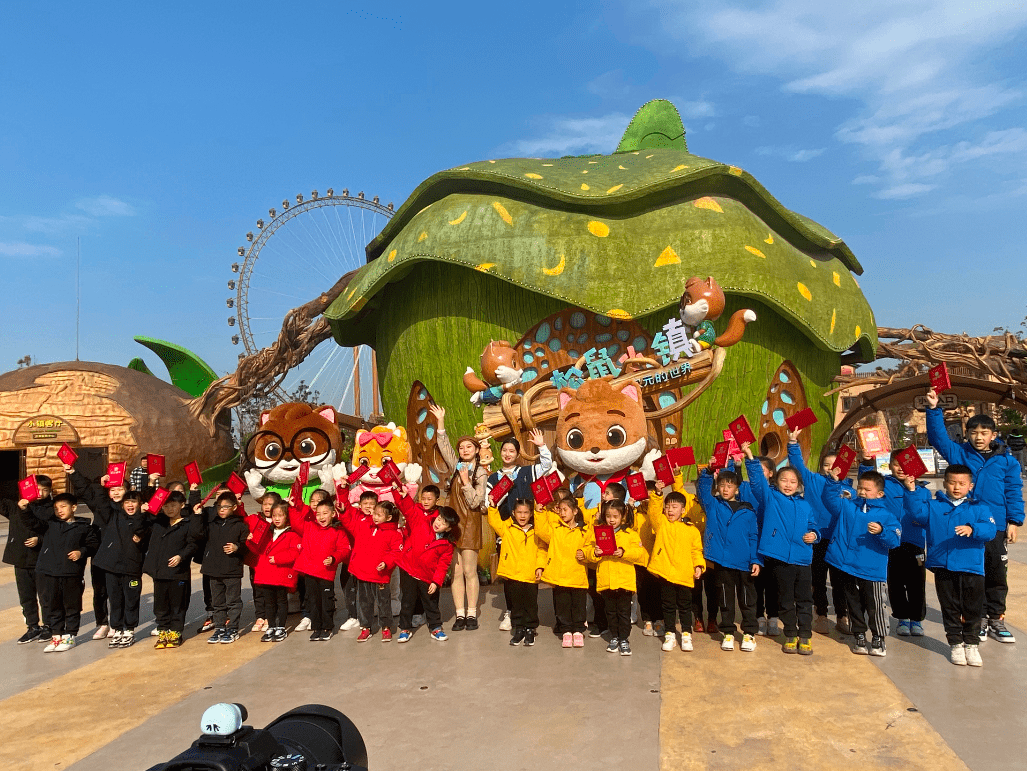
x: 23, y: 544
x: 223, y: 562
x: 168, y: 564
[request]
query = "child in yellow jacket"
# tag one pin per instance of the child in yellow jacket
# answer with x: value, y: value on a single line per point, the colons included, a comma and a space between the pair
x: 518, y: 562
x: 677, y: 562
x: 564, y: 567
x: 615, y: 574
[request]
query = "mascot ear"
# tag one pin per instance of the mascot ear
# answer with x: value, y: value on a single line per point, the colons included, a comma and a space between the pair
x: 631, y: 391
x: 565, y: 396
x: 328, y: 413
x: 265, y: 416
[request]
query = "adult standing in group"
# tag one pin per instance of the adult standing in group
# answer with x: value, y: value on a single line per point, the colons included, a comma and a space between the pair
x: 465, y: 492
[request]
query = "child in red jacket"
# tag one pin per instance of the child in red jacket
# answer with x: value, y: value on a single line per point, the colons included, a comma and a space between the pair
x: 429, y: 541
x: 323, y: 547
x: 267, y: 502
x: 376, y: 544
x: 275, y: 574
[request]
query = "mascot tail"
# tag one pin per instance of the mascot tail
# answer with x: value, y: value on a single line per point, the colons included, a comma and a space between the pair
x: 735, y: 328
x: 473, y: 383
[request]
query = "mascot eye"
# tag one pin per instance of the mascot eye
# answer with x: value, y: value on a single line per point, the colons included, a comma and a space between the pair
x: 616, y: 436
x: 365, y: 462
x: 307, y: 446
x: 575, y: 439
x: 273, y: 451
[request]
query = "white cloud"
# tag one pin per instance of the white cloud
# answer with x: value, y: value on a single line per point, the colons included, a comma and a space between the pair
x: 792, y: 154
x: 904, y: 191
x: 566, y: 136
x: 105, y: 206
x: 21, y: 249
x: 695, y: 110
x: 56, y: 225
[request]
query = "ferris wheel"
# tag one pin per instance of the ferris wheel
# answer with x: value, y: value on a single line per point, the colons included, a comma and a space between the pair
x: 295, y: 256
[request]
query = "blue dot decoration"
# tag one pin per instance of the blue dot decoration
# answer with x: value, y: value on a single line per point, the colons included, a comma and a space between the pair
x: 422, y: 394
x: 783, y: 377
x: 558, y: 323
x: 604, y: 338
x: 543, y: 333
x: 429, y: 431
x: 764, y: 408
x: 577, y: 319
x: 422, y: 414
x: 666, y: 399
x: 787, y: 398
x: 554, y: 345
x: 603, y: 321
x: 528, y: 358
x: 530, y: 373
x: 623, y: 335
x: 640, y: 344
x: 670, y: 429
x: 779, y: 417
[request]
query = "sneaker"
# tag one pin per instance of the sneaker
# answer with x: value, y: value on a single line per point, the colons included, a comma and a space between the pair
x: 174, y: 640
x: 327, y: 634
x: 658, y: 630
x: 806, y: 647
x: 843, y: 625
x: 518, y: 637
x: 229, y: 636
x: 686, y: 641
x: 904, y: 629
x: 877, y: 647
x: 403, y: 636
x: 68, y: 642
x: 471, y: 624
x: 127, y: 638
x: 958, y: 655
x: 594, y: 631
x: 100, y: 633
x: 748, y: 643
x: 303, y: 625
x: 761, y: 626
x: 997, y: 629
x: 613, y: 646
x: 44, y: 635
x: 568, y: 640
x: 52, y: 645
x: 365, y: 635
x: 215, y: 638
x: 505, y: 625
x: 860, y: 646
x: 625, y: 648
x: 983, y: 633
x: 916, y: 629
x: 698, y: 627
x: 973, y: 656
x: 280, y: 633
x: 206, y: 626
x: 417, y: 620
x: 791, y: 645
x: 162, y: 641
x: 259, y: 625
x: 30, y: 634
x: 529, y: 637
x: 669, y: 642
x: 774, y: 627
x: 111, y: 632
x: 115, y: 641
x: 728, y: 643
x: 579, y: 640
x: 386, y: 635
x: 647, y: 629
x: 155, y: 632
x: 438, y: 634
x: 315, y: 636
x: 820, y: 625
x: 268, y: 636
x: 349, y: 623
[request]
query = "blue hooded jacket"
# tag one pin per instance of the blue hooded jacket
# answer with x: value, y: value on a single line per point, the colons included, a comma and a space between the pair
x: 786, y: 519
x: 813, y: 485
x: 945, y: 549
x: 854, y: 549
x: 894, y: 497
x: 731, y: 538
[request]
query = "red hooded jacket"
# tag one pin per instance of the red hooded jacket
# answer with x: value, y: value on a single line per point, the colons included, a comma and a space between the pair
x: 424, y: 556
x: 372, y: 545
x: 317, y: 544
x: 282, y: 572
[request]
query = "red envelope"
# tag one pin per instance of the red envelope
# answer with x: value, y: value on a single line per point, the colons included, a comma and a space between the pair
x: 116, y: 472
x: 261, y: 532
x: 390, y: 464
x: 940, y: 378
x: 553, y: 481
x: 606, y: 540
x: 358, y: 472
x: 681, y: 456
x: 387, y: 476
x: 911, y: 463
x: 28, y: 488
x: 155, y: 465
x: 720, y: 452
x: 636, y: 487
x: 801, y: 419
x: 870, y: 439
x: 663, y: 470
x: 192, y: 473
x: 501, y: 488
x: 210, y: 495
x: 236, y: 484
x: 296, y: 493
x: 844, y: 460
x: 742, y: 431
x: 160, y: 496
x: 304, y: 473
x: 541, y: 491
x: 733, y: 450
x: 66, y: 455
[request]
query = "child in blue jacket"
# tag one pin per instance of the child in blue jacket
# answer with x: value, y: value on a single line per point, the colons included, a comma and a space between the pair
x: 767, y: 621
x: 786, y: 545
x: 958, y: 530
x: 865, y: 532
x: 731, y: 543
x: 997, y: 484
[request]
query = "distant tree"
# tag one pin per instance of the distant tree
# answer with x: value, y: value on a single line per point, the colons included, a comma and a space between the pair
x: 247, y: 414
x: 25, y: 361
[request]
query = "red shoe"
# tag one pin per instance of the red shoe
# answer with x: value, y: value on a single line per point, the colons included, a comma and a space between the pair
x: 698, y: 628
x: 365, y: 635
x: 386, y: 635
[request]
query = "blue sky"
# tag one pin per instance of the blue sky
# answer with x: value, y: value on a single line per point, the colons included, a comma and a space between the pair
x: 158, y: 135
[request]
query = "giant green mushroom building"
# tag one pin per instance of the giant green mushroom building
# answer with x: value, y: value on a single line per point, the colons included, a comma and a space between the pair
x: 488, y: 250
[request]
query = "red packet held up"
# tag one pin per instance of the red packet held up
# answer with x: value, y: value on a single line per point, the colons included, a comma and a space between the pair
x: 606, y: 540
x: 160, y: 497
x: 304, y: 473
x: 844, y: 460
x: 742, y: 431
x: 911, y: 463
x: 155, y: 465
x: 663, y: 470
x: 801, y: 419
x: 28, y: 488
x: 192, y: 473
x: 940, y: 378
x: 681, y: 456
x: 500, y: 489
x: 358, y: 472
x: 720, y: 451
x: 636, y: 487
x: 552, y: 481
x: 541, y: 491
x: 870, y: 439
x: 261, y: 532
x: 397, y: 475
x: 116, y: 472
x: 236, y: 484
x: 66, y: 455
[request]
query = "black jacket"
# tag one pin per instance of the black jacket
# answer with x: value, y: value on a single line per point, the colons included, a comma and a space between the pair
x: 119, y: 552
x: 167, y: 541
x: 20, y: 530
x: 232, y: 529
x: 62, y: 538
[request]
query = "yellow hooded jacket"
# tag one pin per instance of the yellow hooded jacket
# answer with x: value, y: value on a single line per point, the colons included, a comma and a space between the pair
x: 616, y: 572
x: 519, y: 556
x: 561, y: 566
x: 677, y: 551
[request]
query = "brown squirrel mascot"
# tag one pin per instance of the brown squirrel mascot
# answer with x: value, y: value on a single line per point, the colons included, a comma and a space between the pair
x: 701, y: 305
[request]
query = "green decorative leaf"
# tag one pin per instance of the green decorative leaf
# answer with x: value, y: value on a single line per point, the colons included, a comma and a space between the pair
x: 187, y: 370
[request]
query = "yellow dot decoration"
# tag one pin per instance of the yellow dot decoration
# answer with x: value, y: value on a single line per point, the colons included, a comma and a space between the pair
x: 547, y: 164
x: 734, y: 170
x: 585, y: 187
x: 593, y: 162
x: 834, y: 317
x: 648, y: 157
x: 618, y: 313
x: 623, y: 168
x: 707, y: 203
x: 598, y: 229
x: 459, y: 219
x: 667, y: 257
x: 491, y: 161
x: 769, y: 239
x: 813, y: 263
x: 585, y: 171
x: 502, y: 212
x: 392, y: 255
x: 464, y: 168
x: 485, y: 266
x: 614, y: 189
x: 858, y: 331
x: 682, y: 167
x: 556, y: 271
x: 531, y: 175
x: 352, y: 292
x: 421, y: 237
x: 804, y: 291
x: 836, y: 278
x: 754, y: 250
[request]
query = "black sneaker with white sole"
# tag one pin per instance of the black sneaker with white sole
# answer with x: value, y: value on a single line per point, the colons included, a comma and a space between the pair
x: 860, y: 646
x: 30, y: 635
x: 997, y: 630
x: 529, y: 637
x: 518, y: 637
x: 877, y: 647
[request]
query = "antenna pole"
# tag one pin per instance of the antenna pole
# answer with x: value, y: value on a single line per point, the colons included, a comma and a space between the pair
x: 78, y: 289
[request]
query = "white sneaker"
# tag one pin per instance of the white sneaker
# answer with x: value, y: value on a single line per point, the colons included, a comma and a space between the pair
x: 257, y: 627
x: 52, y: 645
x: 728, y: 643
x: 68, y: 642
x: 686, y: 641
x: 505, y: 625
x: 762, y: 626
x: 748, y: 643
x: 417, y: 620
x: 958, y: 655
x: 303, y: 625
x: 973, y: 656
x: 111, y: 632
x: 101, y: 632
x: 774, y: 627
x: 115, y: 640
x: 154, y: 632
x: 669, y: 641
x: 349, y: 623
x: 647, y: 630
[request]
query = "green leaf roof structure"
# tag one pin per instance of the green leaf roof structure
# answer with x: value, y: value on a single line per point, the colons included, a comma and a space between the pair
x: 619, y: 234
x: 187, y: 370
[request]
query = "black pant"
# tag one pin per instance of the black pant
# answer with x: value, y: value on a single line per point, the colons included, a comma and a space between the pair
x: 795, y: 596
x: 348, y: 584
x: 522, y: 599
x: 370, y: 595
x: 412, y: 590
x: 766, y: 595
x: 569, y: 607
x: 124, y: 593
x: 259, y: 601
x: 276, y: 604
x: 320, y: 603
x: 618, y: 609
x: 26, y: 581
x: 168, y: 606
x: 226, y: 599
x: 599, y: 619
x: 731, y: 583
x: 820, y: 569
x: 705, y: 584
x: 648, y: 595
x: 864, y: 601
x: 677, y: 603
x: 208, y: 596
x: 996, y: 582
x: 61, y: 598
x: 907, y: 582
x: 98, y: 580
x: 961, y: 596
